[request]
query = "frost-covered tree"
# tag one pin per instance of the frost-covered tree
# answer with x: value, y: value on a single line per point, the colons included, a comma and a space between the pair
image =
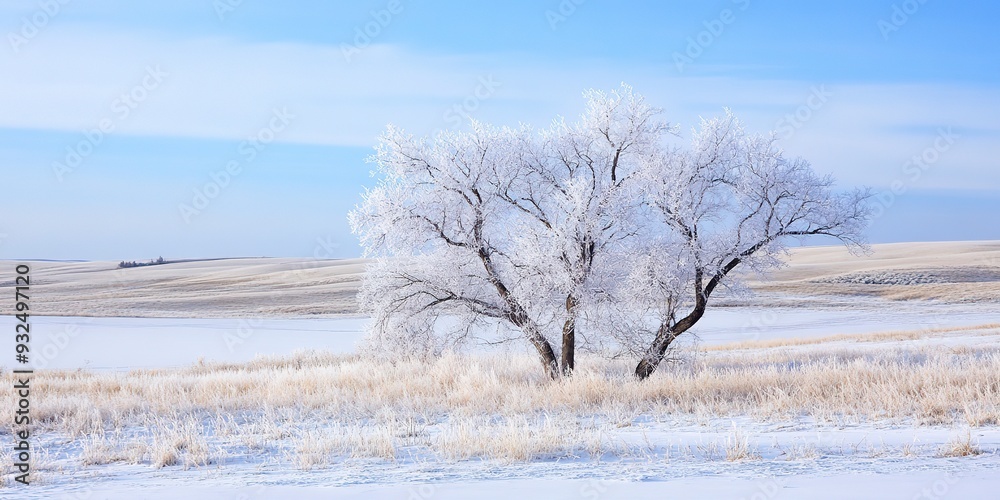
x: 730, y: 200
x: 504, y: 224
x: 586, y: 228
x: 446, y: 242
x: 573, y: 195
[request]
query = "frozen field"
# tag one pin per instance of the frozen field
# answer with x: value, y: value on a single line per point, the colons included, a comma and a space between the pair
x: 293, y: 443
x: 870, y: 378
x: 949, y: 272
x: 900, y: 485
x: 98, y: 343
x: 874, y: 469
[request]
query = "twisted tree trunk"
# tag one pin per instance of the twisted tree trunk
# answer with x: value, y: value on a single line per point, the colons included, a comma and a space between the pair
x: 569, y: 336
x: 665, y: 335
x: 667, y: 332
x: 517, y: 315
x: 548, y: 357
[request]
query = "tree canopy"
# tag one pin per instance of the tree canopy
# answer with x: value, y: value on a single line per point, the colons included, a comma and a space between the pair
x: 602, y: 232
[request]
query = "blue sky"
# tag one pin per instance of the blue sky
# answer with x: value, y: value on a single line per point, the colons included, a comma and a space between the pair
x: 291, y: 97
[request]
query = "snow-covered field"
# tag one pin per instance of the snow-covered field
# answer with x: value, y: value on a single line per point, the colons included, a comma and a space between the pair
x: 843, y: 394
x: 98, y: 343
x: 921, y: 484
x: 955, y: 272
x: 834, y: 463
x: 614, y: 452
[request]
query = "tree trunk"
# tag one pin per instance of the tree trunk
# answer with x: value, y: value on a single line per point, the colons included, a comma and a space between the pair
x: 644, y: 369
x: 549, y: 362
x: 569, y: 337
x: 548, y: 357
x: 664, y: 336
x: 518, y: 317
x: 647, y: 365
x: 652, y: 359
x: 667, y: 333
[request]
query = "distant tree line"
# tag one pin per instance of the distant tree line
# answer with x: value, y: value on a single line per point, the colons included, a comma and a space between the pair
x: 124, y: 264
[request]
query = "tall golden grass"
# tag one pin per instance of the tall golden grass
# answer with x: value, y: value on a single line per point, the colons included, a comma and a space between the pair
x: 315, y: 408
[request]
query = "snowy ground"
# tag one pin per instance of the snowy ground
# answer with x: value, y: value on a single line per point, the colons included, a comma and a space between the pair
x: 682, y: 457
x: 924, y: 484
x: 98, y: 343
x: 684, y: 462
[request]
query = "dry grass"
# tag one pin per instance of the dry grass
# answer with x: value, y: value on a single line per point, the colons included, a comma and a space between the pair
x: 738, y: 447
x: 318, y: 448
x: 314, y: 409
x: 804, y: 452
x: 936, y: 384
x: 961, y: 446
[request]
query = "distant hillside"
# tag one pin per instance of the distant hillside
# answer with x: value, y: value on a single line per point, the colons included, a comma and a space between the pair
x: 195, y: 288
x: 293, y: 287
x: 965, y: 271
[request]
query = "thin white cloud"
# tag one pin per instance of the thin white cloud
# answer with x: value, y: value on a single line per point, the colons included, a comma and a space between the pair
x: 69, y: 79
